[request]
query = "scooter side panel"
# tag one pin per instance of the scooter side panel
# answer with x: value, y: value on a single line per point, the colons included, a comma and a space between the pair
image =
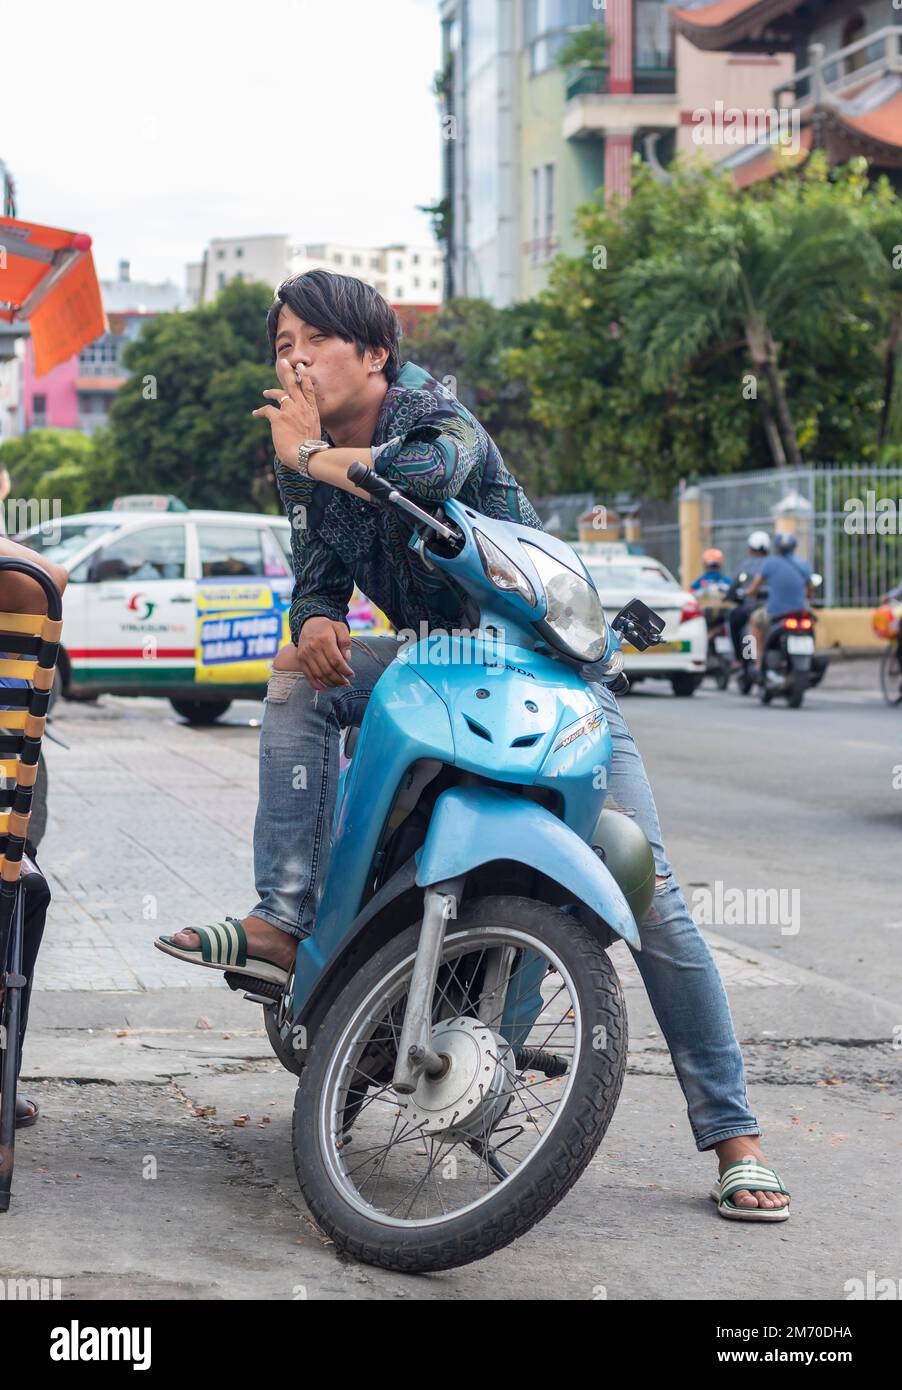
x: 471, y: 826
x: 572, y: 744
x: 404, y: 721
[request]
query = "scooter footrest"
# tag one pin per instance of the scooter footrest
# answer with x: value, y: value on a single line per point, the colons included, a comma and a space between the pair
x: 254, y: 986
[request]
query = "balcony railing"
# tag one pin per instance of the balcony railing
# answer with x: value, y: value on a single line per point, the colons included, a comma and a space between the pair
x: 831, y: 75
x: 654, y: 79
x: 587, y: 81
x: 647, y: 78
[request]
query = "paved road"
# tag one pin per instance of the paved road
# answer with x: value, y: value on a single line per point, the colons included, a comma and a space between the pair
x: 138, y: 1181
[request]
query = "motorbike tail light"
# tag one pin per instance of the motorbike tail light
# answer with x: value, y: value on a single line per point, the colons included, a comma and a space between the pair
x: 806, y: 623
x: 791, y: 623
x: 691, y: 610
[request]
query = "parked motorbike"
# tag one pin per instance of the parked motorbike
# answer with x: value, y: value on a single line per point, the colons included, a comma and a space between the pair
x: 456, y: 1025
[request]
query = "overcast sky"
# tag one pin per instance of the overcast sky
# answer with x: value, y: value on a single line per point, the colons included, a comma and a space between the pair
x: 156, y: 126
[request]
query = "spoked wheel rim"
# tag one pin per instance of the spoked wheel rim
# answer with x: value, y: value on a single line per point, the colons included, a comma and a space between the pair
x: 406, y: 1161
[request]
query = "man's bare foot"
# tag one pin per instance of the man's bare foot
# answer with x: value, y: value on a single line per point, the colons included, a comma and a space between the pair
x: 264, y: 942
x: 747, y: 1146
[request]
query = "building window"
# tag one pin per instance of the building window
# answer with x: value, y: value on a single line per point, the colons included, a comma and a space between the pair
x: 415, y: 258
x: 399, y: 265
x: 239, y: 250
x: 39, y: 411
x: 355, y: 260
x: 220, y: 254
x: 220, y: 280
x: 433, y: 285
x: 542, y: 219
x: 339, y: 258
x: 853, y: 30
x: 549, y: 201
x: 374, y: 262
x: 399, y: 294
x: 535, y: 203
x: 653, y: 47
x: 548, y: 27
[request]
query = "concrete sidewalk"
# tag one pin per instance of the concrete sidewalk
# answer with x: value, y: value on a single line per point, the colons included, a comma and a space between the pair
x: 138, y: 1182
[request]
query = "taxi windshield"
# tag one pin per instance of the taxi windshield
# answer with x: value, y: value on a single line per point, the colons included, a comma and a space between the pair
x: 61, y: 540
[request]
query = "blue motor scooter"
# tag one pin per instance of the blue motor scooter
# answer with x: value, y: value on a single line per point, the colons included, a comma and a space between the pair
x: 457, y: 1026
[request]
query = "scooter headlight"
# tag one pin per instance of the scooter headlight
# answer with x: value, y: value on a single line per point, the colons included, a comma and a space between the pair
x: 575, y: 620
x: 502, y: 571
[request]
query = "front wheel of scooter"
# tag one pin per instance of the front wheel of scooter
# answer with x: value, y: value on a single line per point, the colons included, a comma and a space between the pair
x: 475, y: 1156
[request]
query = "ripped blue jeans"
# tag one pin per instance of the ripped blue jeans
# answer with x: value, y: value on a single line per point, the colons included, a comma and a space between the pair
x: 299, y: 751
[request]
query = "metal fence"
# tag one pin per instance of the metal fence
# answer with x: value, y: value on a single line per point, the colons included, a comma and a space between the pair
x: 844, y: 532
x: 661, y: 532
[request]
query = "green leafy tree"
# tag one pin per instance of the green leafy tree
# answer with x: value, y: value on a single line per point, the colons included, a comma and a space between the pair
x: 182, y: 421
x: 462, y: 347
x: 61, y: 466
x: 705, y: 329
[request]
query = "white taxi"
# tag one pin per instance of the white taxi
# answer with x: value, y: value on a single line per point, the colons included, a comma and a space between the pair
x: 190, y: 605
x: 619, y: 576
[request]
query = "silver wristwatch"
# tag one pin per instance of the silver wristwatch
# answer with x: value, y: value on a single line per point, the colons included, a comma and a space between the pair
x: 305, y: 450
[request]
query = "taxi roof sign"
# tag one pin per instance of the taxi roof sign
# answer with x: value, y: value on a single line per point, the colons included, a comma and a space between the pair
x: 147, y: 502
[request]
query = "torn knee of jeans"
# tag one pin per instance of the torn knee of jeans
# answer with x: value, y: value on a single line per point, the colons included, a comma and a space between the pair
x: 611, y: 805
x: 281, y: 684
x: 662, y: 882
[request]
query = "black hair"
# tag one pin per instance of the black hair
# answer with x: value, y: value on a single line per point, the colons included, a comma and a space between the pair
x: 343, y: 306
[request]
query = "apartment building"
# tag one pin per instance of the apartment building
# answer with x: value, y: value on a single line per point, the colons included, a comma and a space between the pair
x: 526, y: 141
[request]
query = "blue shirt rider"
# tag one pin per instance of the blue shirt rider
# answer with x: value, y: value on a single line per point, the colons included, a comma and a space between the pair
x: 713, y: 563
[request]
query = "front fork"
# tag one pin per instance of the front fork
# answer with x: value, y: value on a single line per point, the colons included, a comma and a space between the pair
x: 415, y: 1053
x: 509, y: 1015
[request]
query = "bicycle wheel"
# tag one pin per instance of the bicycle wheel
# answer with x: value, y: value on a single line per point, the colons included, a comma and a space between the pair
x: 891, y: 676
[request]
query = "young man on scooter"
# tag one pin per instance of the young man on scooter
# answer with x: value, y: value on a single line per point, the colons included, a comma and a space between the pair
x: 344, y: 397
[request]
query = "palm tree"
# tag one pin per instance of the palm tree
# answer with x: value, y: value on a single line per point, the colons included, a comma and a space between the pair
x: 767, y: 274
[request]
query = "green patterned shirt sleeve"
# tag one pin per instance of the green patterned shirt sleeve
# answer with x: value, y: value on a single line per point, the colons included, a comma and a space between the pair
x: 435, y: 457
x: 323, y: 587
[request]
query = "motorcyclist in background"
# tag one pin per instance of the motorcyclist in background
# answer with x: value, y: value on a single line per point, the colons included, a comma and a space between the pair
x: 759, y: 549
x: 713, y: 574
x: 789, y: 588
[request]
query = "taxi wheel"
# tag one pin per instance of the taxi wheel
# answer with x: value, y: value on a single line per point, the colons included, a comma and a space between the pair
x: 200, y: 711
x: 685, y: 684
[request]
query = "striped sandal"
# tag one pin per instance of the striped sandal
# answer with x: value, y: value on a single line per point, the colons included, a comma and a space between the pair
x: 224, y: 947
x: 748, y: 1175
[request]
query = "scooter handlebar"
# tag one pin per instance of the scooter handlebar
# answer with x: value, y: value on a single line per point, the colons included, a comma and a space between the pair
x: 368, y: 480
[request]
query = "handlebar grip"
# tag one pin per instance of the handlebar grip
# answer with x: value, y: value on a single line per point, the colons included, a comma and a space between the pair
x: 369, y: 481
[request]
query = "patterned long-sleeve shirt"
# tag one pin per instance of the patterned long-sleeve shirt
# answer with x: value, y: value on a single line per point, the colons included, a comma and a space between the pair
x: 428, y: 443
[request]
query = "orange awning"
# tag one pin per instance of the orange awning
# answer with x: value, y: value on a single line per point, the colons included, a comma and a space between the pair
x: 47, y: 276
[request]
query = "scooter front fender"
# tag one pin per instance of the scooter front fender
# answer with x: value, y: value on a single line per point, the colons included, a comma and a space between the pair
x: 471, y: 826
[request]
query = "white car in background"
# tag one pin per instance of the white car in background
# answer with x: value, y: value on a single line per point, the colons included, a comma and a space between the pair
x: 620, y: 576
x: 162, y: 601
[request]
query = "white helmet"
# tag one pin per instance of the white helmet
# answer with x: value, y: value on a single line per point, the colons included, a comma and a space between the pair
x: 759, y: 540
